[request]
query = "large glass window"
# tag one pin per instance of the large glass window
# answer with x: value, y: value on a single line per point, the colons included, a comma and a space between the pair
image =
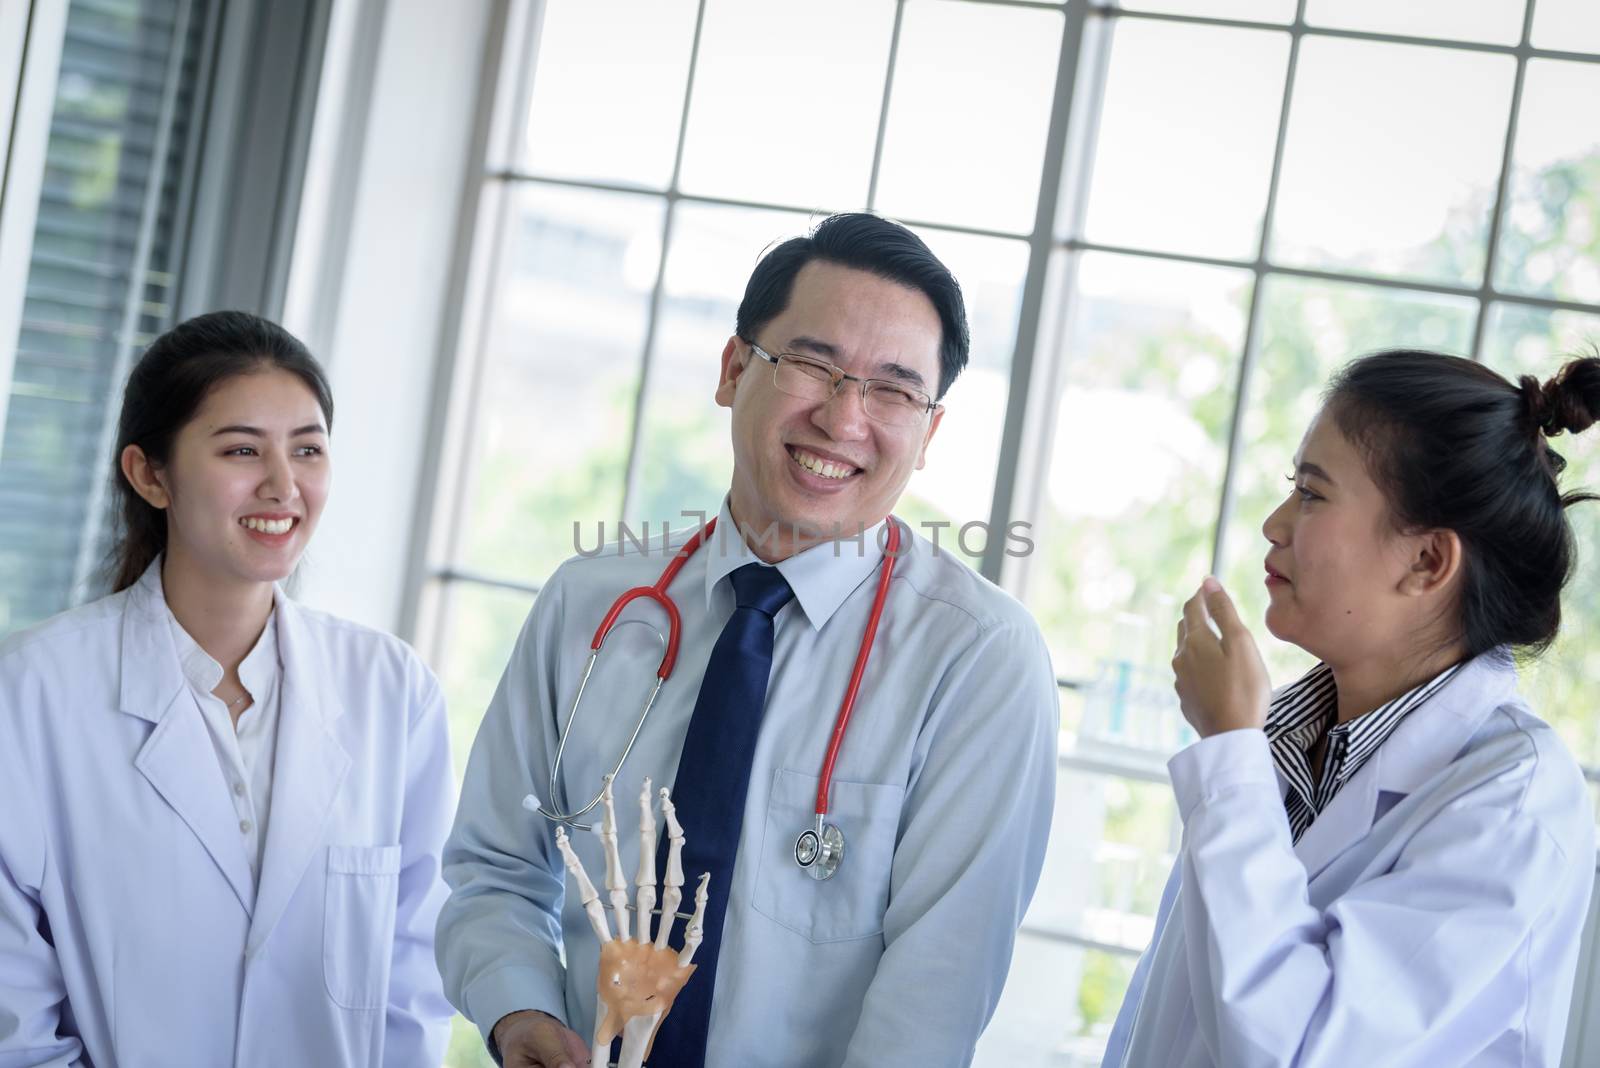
x: 1179, y: 228
x: 620, y: 258
x: 101, y: 283
x: 1429, y: 191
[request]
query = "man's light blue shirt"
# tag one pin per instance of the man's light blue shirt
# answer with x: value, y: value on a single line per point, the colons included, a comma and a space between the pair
x: 943, y: 789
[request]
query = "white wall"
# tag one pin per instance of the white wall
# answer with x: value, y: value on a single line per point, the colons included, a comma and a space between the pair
x: 370, y: 276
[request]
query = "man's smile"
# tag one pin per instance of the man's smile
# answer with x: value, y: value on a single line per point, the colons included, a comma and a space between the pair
x: 825, y: 466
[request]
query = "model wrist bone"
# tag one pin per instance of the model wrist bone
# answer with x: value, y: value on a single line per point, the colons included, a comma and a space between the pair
x: 639, y: 978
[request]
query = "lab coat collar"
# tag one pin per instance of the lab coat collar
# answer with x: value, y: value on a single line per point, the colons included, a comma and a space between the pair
x: 152, y: 674
x: 1434, y: 735
x: 821, y: 576
x: 1426, y: 742
x: 308, y: 772
x: 177, y: 759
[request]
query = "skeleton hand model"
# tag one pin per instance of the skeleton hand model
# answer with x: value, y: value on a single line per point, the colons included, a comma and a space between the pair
x: 639, y: 977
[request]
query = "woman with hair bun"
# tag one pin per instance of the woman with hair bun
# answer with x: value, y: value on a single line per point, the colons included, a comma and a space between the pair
x: 221, y: 813
x: 1389, y: 861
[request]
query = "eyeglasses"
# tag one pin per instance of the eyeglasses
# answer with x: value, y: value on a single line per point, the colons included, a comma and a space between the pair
x: 891, y: 403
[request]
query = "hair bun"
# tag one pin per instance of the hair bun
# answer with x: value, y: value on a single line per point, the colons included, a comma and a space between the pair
x: 1566, y: 403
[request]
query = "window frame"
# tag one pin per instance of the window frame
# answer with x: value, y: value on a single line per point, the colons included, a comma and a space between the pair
x: 1055, y: 242
x: 1055, y: 246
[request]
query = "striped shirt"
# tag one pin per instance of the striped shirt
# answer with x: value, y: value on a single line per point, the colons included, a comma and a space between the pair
x: 1307, y: 709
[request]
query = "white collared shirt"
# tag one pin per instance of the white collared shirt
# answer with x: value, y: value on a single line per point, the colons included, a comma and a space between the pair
x: 246, y: 750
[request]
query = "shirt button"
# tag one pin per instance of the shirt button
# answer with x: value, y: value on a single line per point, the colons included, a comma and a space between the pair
x: 238, y: 789
x: 244, y: 826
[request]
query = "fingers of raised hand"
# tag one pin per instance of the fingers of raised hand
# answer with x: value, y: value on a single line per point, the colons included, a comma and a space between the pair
x: 1221, y: 608
x: 1195, y: 620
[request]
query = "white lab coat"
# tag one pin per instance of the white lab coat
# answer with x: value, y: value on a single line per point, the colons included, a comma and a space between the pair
x: 131, y: 932
x: 1429, y: 917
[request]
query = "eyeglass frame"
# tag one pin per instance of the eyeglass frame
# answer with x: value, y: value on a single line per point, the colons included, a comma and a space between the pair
x: 840, y: 376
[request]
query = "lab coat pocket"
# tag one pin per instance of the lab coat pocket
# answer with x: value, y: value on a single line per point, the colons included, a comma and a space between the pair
x: 850, y: 905
x: 358, y: 924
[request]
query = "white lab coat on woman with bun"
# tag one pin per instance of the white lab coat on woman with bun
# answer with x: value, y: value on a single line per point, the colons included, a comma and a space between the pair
x: 1430, y: 916
x: 134, y: 929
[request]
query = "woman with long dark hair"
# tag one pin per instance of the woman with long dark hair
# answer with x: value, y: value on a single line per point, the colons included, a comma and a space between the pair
x: 1389, y: 861
x: 220, y: 812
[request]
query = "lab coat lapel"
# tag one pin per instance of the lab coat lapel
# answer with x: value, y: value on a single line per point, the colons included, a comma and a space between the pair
x: 1424, y: 744
x: 178, y: 758
x: 310, y: 768
x: 1345, y: 821
x: 1432, y: 737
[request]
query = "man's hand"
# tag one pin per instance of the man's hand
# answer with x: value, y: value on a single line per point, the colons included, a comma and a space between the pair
x: 1221, y: 682
x: 533, y: 1039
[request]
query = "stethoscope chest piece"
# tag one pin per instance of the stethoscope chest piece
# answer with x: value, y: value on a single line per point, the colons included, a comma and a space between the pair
x: 819, y: 851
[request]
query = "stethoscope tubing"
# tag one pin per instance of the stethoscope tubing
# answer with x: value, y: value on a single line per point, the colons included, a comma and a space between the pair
x: 669, y: 658
x: 658, y: 593
x: 868, y: 637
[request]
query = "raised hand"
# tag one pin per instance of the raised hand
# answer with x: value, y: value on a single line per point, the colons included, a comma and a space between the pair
x: 639, y: 979
x: 1221, y: 682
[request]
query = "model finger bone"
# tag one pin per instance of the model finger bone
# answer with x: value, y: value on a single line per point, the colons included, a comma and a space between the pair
x: 639, y: 978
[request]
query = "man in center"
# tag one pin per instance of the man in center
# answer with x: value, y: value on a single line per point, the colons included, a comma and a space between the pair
x: 944, y: 784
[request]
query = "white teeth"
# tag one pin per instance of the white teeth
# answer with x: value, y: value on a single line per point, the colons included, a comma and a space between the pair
x: 267, y: 526
x: 822, y: 467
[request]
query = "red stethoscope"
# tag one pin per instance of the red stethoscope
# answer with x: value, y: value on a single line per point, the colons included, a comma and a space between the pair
x: 819, y: 849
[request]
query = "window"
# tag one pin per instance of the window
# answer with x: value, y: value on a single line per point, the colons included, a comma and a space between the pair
x: 1269, y: 192
x: 1172, y: 220
x: 611, y: 266
x: 101, y: 281
x: 154, y: 160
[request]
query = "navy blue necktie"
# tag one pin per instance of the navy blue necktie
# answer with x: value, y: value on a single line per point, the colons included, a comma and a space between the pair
x: 713, y: 778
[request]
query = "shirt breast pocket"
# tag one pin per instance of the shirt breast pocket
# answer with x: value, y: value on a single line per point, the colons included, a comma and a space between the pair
x: 851, y: 905
x: 363, y: 891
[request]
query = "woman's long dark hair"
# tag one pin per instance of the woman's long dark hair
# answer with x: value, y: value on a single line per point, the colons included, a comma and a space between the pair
x: 167, y: 386
x: 1454, y: 446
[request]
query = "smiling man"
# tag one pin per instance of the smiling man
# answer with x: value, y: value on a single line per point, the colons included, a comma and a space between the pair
x: 943, y: 786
